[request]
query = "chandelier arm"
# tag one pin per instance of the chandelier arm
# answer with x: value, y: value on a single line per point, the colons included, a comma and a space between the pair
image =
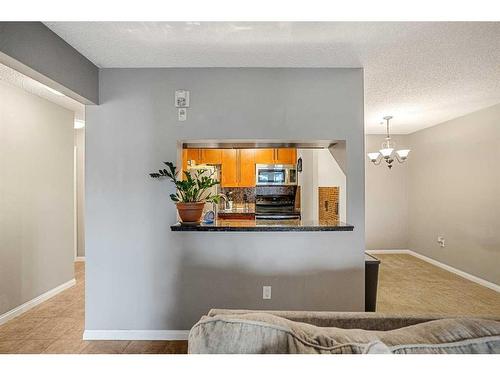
x: 399, y: 159
x: 378, y: 161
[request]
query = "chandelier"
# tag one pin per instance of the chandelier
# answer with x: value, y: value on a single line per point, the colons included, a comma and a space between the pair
x: 387, y: 151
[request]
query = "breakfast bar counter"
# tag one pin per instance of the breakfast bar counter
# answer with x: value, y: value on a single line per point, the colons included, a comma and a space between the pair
x: 264, y: 226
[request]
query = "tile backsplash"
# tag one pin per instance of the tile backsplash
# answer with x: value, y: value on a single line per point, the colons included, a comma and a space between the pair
x: 239, y: 193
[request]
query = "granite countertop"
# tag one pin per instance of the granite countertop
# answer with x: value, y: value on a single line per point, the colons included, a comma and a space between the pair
x: 265, y: 226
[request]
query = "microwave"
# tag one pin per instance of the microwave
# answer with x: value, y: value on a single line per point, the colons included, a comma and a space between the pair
x: 275, y: 174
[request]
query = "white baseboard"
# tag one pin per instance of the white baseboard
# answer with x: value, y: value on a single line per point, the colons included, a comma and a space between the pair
x: 391, y: 251
x: 171, y: 335
x: 80, y: 259
x: 465, y: 275
x: 35, y: 301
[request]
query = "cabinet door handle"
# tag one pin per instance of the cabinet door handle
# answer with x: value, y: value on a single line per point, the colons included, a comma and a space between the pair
x: 277, y: 154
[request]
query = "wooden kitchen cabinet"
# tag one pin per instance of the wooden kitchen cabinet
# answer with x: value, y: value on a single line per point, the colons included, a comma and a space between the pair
x: 238, y: 168
x: 229, y: 170
x: 264, y: 155
x: 275, y: 155
x: 201, y: 156
x: 211, y: 156
x: 247, y: 168
x: 286, y: 156
x: 194, y: 154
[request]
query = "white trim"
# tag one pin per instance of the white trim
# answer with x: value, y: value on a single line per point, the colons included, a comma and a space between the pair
x: 80, y: 259
x: 393, y: 251
x: 35, y: 301
x: 465, y: 275
x: 121, y: 334
x: 75, y: 198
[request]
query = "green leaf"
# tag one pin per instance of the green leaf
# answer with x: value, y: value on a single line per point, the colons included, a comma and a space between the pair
x: 190, y: 189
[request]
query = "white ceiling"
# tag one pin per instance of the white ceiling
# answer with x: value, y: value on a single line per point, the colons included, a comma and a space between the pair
x: 422, y: 73
x: 15, y: 78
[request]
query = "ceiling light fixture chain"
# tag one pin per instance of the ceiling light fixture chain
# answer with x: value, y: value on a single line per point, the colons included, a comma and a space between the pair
x: 387, y: 151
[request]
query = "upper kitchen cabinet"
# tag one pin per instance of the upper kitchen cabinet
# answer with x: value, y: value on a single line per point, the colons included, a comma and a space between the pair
x: 264, y: 155
x: 286, y: 155
x: 202, y: 156
x: 211, y: 156
x: 276, y: 155
x: 238, y: 168
x: 194, y: 154
x: 229, y: 170
x: 247, y: 168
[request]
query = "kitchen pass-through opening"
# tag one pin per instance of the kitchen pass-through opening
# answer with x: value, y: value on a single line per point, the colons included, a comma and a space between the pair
x: 266, y: 180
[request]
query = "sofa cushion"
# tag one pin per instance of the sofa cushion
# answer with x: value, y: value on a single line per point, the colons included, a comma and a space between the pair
x: 267, y: 333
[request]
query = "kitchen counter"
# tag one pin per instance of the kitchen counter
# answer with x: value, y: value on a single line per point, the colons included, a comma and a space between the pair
x: 264, y: 226
x: 238, y: 210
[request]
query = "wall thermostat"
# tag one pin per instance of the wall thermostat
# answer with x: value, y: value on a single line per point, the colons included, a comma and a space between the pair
x: 181, y: 98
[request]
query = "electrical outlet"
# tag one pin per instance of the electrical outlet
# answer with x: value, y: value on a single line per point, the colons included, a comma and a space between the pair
x: 266, y: 292
x: 441, y: 241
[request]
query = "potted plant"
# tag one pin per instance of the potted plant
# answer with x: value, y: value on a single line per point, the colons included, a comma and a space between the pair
x: 191, y: 194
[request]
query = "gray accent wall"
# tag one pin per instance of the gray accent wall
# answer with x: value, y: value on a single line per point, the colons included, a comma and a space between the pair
x: 36, y: 196
x: 140, y: 275
x: 454, y: 189
x: 36, y: 51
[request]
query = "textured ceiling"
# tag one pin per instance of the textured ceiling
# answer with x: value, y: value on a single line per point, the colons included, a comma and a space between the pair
x: 422, y: 73
x: 15, y: 78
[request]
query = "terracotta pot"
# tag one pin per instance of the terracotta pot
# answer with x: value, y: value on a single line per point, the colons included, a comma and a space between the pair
x: 190, y: 212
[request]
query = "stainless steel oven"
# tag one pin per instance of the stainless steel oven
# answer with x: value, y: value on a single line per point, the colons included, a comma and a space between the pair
x: 276, y: 207
x: 275, y: 174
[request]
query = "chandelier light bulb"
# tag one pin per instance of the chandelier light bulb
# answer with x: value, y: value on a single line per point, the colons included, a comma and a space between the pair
x: 386, y: 152
x: 373, y: 156
x: 403, y: 154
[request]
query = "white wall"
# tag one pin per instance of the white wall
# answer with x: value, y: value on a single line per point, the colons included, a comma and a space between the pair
x: 330, y: 174
x: 140, y: 275
x: 320, y: 169
x: 36, y: 196
x: 306, y: 181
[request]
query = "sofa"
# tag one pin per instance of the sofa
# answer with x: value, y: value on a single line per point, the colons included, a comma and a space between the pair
x: 296, y: 332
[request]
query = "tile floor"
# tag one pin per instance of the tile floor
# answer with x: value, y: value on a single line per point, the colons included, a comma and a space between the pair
x: 56, y: 326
